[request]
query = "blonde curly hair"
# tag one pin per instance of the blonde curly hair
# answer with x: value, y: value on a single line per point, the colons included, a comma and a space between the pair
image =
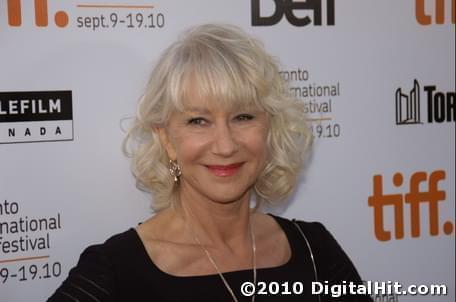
x: 233, y: 68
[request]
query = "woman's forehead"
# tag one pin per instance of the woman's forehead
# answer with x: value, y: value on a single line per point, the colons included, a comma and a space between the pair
x: 200, y: 90
x: 213, y: 104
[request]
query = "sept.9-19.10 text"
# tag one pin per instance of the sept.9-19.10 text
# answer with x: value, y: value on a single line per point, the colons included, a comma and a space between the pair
x: 121, y: 21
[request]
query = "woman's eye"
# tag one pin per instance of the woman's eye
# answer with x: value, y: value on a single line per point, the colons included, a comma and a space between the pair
x: 197, y: 121
x: 244, y: 117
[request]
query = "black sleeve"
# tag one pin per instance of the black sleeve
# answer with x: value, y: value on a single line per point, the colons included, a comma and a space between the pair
x: 92, y: 280
x: 332, y: 263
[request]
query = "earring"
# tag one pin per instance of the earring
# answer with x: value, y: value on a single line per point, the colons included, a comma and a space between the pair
x: 174, y: 170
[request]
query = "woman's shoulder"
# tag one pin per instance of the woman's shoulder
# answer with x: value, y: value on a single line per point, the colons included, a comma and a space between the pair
x: 313, y: 229
x: 98, y: 270
x: 120, y: 243
x: 328, y: 254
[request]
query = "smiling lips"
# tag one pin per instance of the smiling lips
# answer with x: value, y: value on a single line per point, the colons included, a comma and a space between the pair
x: 227, y: 170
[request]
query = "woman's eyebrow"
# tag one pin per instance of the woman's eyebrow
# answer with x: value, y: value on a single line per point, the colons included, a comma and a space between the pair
x: 195, y: 109
x: 205, y: 110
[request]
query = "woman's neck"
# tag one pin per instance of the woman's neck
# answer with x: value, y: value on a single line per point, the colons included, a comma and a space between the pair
x: 217, y: 224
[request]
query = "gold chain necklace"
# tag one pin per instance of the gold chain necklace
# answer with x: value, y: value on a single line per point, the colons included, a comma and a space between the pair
x: 212, y: 261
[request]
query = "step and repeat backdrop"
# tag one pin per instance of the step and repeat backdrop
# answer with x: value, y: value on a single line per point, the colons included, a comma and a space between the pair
x: 377, y: 79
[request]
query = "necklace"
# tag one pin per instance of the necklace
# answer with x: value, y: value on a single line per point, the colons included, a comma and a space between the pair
x: 214, y: 264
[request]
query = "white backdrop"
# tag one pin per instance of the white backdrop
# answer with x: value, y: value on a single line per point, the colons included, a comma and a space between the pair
x: 71, y: 185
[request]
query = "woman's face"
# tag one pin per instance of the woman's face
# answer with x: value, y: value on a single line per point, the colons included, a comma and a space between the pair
x: 221, y: 152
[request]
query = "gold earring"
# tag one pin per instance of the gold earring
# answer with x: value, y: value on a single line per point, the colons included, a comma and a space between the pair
x: 174, y: 170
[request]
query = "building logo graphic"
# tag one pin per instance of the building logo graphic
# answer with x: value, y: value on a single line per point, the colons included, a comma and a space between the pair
x: 440, y: 107
x: 14, y: 8
x: 408, y: 106
x: 36, y: 116
x: 423, y: 191
x: 288, y: 8
x: 441, y: 7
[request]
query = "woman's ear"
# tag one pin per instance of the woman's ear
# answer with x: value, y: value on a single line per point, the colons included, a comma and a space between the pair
x: 166, y: 142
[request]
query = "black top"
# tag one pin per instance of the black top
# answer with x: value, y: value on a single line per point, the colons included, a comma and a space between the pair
x: 121, y: 270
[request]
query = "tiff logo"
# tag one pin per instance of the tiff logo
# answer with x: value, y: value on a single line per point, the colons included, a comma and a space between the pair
x: 441, y: 106
x: 408, y: 106
x: 288, y: 8
x: 14, y: 9
x: 417, y: 196
x: 439, y: 12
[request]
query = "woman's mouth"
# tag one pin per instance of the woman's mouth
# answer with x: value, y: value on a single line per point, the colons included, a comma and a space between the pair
x: 224, y: 170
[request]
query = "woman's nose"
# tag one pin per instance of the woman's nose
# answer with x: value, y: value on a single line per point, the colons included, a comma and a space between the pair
x: 224, y: 141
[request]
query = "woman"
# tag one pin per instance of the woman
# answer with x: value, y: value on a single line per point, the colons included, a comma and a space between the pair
x: 216, y: 133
